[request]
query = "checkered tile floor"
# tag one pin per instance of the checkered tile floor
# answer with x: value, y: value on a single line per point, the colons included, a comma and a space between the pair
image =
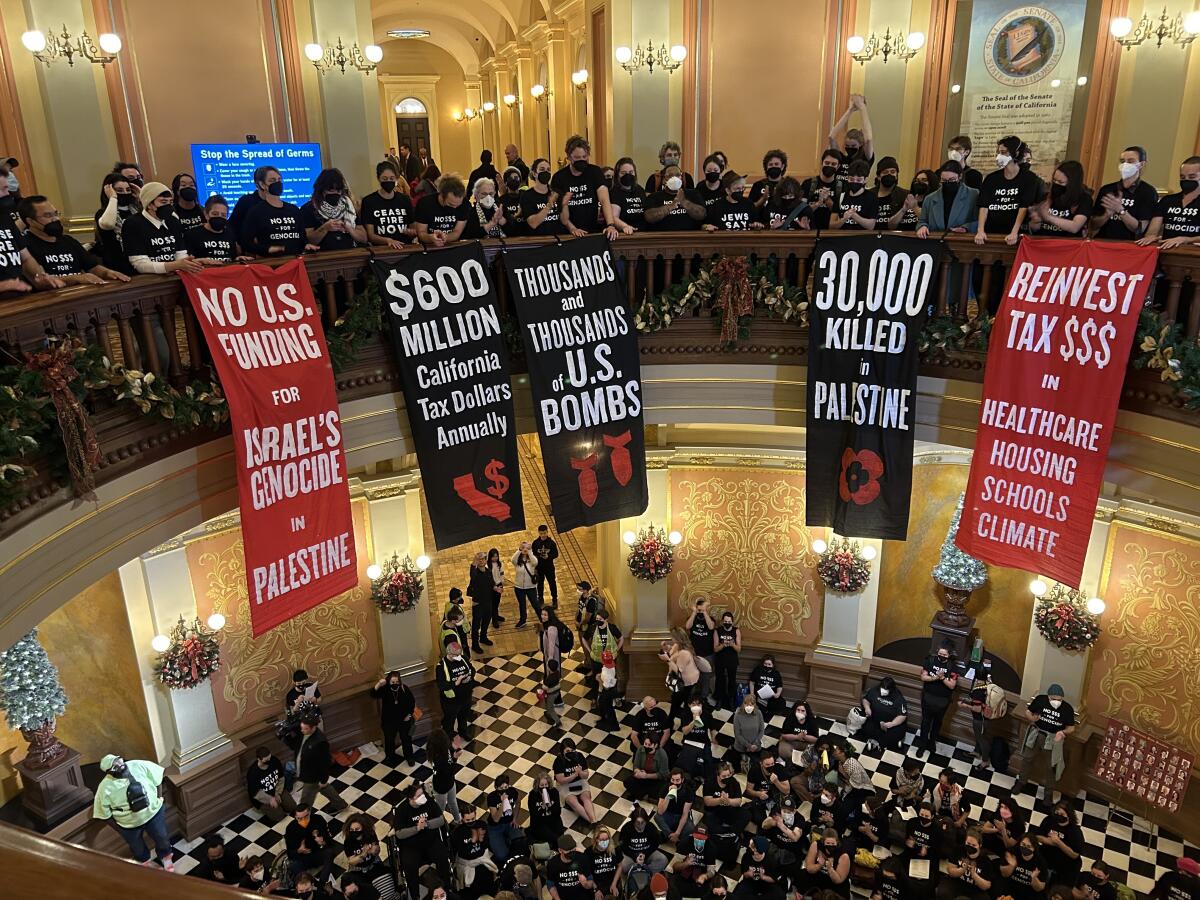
x: 512, y: 736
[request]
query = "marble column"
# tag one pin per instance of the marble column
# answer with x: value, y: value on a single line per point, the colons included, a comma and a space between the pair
x: 528, y: 112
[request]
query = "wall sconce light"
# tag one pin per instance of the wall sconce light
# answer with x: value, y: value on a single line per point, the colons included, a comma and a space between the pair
x: 47, y: 48
x: 511, y: 101
x: 374, y: 570
x: 1038, y: 588
x: 468, y: 115
x: 489, y: 107
x: 819, y: 546
x: 216, y: 621
x: 539, y: 92
x: 339, y: 57
x: 629, y: 537
x: 1180, y: 29
x: 580, y: 79
x: 159, y: 643
x: 423, y: 562
x: 675, y: 538
x: 668, y: 60
x: 869, y: 552
x: 898, y: 45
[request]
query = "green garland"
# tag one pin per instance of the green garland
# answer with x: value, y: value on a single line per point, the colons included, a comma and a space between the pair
x: 943, y: 333
x: 1165, y: 348
x: 361, y: 320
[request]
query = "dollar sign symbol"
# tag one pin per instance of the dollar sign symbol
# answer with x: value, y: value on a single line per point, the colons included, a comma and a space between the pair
x: 499, y: 483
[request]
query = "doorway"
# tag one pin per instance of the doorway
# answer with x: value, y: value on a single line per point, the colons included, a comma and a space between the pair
x: 412, y: 125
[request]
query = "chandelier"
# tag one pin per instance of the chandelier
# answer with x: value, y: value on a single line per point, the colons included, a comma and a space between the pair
x: 325, y: 59
x: 48, y: 47
x: 1180, y: 29
x: 898, y: 45
x: 667, y: 60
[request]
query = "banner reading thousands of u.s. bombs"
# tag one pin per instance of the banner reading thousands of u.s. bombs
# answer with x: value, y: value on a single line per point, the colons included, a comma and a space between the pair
x: 454, y: 369
x: 585, y: 376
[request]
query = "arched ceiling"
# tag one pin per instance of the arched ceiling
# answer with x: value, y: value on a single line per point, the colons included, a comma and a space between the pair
x: 473, y: 19
x: 452, y: 39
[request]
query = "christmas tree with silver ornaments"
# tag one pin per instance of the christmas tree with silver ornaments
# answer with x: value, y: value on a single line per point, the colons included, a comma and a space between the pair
x: 30, y: 694
x: 957, y: 570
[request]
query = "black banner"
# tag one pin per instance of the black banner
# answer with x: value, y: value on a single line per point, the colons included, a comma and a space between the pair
x: 454, y: 364
x: 585, y: 376
x: 869, y: 304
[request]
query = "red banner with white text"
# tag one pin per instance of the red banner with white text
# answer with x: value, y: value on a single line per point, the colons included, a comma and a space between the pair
x: 1055, y: 365
x: 265, y: 336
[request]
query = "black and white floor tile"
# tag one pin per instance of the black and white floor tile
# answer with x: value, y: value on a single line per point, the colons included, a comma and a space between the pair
x: 513, y: 735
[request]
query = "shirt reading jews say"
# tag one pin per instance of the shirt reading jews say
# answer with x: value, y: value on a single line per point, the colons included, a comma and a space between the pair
x: 732, y: 215
x: 436, y: 217
x: 1179, y: 220
x: 65, y: 256
x: 389, y: 216
x: 584, y: 208
x: 1139, y: 201
x: 1004, y: 197
x: 204, y: 244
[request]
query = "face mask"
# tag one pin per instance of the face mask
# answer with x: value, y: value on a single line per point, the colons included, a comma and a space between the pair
x: 1128, y: 170
x: 728, y: 623
x: 851, y: 149
x: 925, y: 820
x: 699, y: 844
x: 1002, y: 160
x: 942, y: 657
x: 165, y: 210
x: 1056, y: 703
x: 712, y: 177
x: 54, y: 229
x: 387, y: 186
x: 888, y: 181
x: 1027, y: 852
x: 1025, y: 163
x: 395, y: 685
x: 828, y: 171
x: 543, y: 176
x: 774, y: 172
x: 1062, y: 819
x: 883, y: 692
x: 697, y: 711
x: 217, y: 223
x: 789, y: 818
x: 124, y: 203
x: 856, y: 187
x: 136, y: 181
x: 801, y: 714
x: 748, y: 710
x: 188, y: 194
x: 1057, y: 191
x: 972, y: 851
x: 487, y: 201
x: 956, y: 155
x: 1187, y: 185
x: 950, y: 187
x: 419, y: 800
x: 257, y: 875
x: 332, y: 197
x: 456, y: 656
x: 674, y: 183
x: 866, y: 810
x: 627, y: 180
x: 830, y: 849
x: 602, y: 844
x: 577, y: 165
x: 768, y: 665
x: 919, y: 188
x: 513, y: 183
x: 608, y: 180
x: 275, y: 189
x: 1005, y: 813
x: 303, y: 822
x: 826, y: 800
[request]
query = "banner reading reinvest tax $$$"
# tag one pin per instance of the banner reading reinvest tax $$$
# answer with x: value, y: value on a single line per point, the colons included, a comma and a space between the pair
x: 265, y: 337
x: 1055, y: 366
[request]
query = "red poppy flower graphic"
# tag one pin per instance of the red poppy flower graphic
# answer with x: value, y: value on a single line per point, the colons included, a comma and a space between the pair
x: 860, y: 476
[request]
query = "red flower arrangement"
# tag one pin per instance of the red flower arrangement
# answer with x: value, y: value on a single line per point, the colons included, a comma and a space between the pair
x: 399, y: 586
x: 651, y: 555
x: 191, y: 658
x: 1062, y: 619
x: 843, y: 568
x: 859, y: 478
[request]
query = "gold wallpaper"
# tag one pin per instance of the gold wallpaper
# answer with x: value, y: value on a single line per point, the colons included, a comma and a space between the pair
x: 1146, y: 664
x: 908, y: 595
x: 337, y: 642
x: 746, y: 548
x: 90, y: 642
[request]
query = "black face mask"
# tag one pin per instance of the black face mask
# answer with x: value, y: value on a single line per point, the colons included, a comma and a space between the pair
x: 628, y: 180
x: 1057, y: 191
x: 188, y: 194
x: 972, y: 851
x: 137, y: 182
x: 1187, y: 185
x: 949, y: 188
x: 855, y: 187
x: 888, y: 181
x: 387, y: 186
x: 608, y: 181
x: 828, y: 171
x: 712, y: 177
x: 577, y: 165
x: 164, y: 211
x: 543, y: 176
x: 332, y: 197
x: 737, y: 196
x: 774, y: 172
x: 1027, y: 852
x: 275, y: 189
x: 513, y: 183
x: 54, y: 229
x: 852, y: 149
x: 217, y: 223
x: 920, y: 188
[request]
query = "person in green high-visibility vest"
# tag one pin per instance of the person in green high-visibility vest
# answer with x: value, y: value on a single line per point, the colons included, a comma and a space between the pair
x: 128, y: 796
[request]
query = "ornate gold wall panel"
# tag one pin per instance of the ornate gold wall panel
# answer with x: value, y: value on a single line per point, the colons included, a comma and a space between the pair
x: 90, y: 642
x: 908, y: 596
x: 337, y: 642
x: 746, y: 547
x: 1145, y: 669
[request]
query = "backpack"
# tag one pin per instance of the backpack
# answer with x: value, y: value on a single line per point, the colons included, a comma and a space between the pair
x: 135, y: 795
x: 566, y: 640
x: 995, y: 703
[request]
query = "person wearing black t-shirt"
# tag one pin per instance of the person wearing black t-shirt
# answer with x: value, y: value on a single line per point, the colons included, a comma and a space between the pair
x: 328, y: 218
x: 907, y: 216
x: 1006, y: 194
x: 628, y: 198
x: 386, y: 215
x: 1176, y: 221
x: 674, y: 208
x: 1065, y: 211
x: 503, y: 833
x: 571, y: 772
x: 774, y: 168
x: 545, y: 550
x: 603, y: 863
x: 762, y: 876
x: 455, y: 681
x: 510, y: 202
x: 566, y: 873
x: 188, y: 211
x: 1096, y: 883
x: 540, y: 207
x: 581, y: 186
x: 891, y: 879
x: 442, y: 217
x: 728, y: 639
x: 674, y: 813
x: 972, y: 875
x: 1024, y: 870
x: 1182, y: 884
x: 922, y: 840
x: 1124, y: 208
x: 669, y: 154
x: 1004, y: 827
x: 117, y: 204
x: 219, y: 863
x: 787, y: 208
x: 711, y: 189
x: 152, y: 241
x: 58, y: 253
x: 889, y: 196
x: 858, y: 144
x: 214, y: 239
x: 270, y: 227
x: 1053, y: 720
x: 733, y: 212
x: 725, y: 804
x: 822, y: 190
x: 857, y: 208
x: 417, y: 822
x: 545, y: 811
x: 397, y: 706
x: 650, y: 722
x: 763, y: 677
x: 1061, y: 840
x: 308, y: 843
x: 700, y: 627
x: 640, y: 840
x: 472, y: 855
x: 938, y: 681
x: 827, y: 865
x: 887, y: 713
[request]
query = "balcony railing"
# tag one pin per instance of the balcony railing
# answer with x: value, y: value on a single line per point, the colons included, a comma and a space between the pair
x: 118, y: 321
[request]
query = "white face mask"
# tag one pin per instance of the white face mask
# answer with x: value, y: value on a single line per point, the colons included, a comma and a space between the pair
x: 674, y: 183
x: 698, y: 712
x: 1056, y: 703
x: 883, y: 692
x: 956, y: 155
x: 487, y: 201
x: 789, y: 818
x: 801, y: 714
x: 419, y: 800
x: 1128, y: 170
x: 1002, y: 160
x: 748, y: 709
x: 826, y: 801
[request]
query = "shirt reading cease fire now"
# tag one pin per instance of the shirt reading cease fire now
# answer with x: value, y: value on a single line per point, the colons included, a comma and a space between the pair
x: 1054, y: 370
x: 297, y: 529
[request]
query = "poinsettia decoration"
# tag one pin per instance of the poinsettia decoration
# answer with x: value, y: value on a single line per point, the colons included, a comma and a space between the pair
x: 192, y: 656
x: 1063, y: 619
x: 651, y: 555
x: 843, y: 567
x: 399, y: 586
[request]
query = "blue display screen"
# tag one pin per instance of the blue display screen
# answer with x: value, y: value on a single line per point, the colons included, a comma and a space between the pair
x: 228, y: 169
